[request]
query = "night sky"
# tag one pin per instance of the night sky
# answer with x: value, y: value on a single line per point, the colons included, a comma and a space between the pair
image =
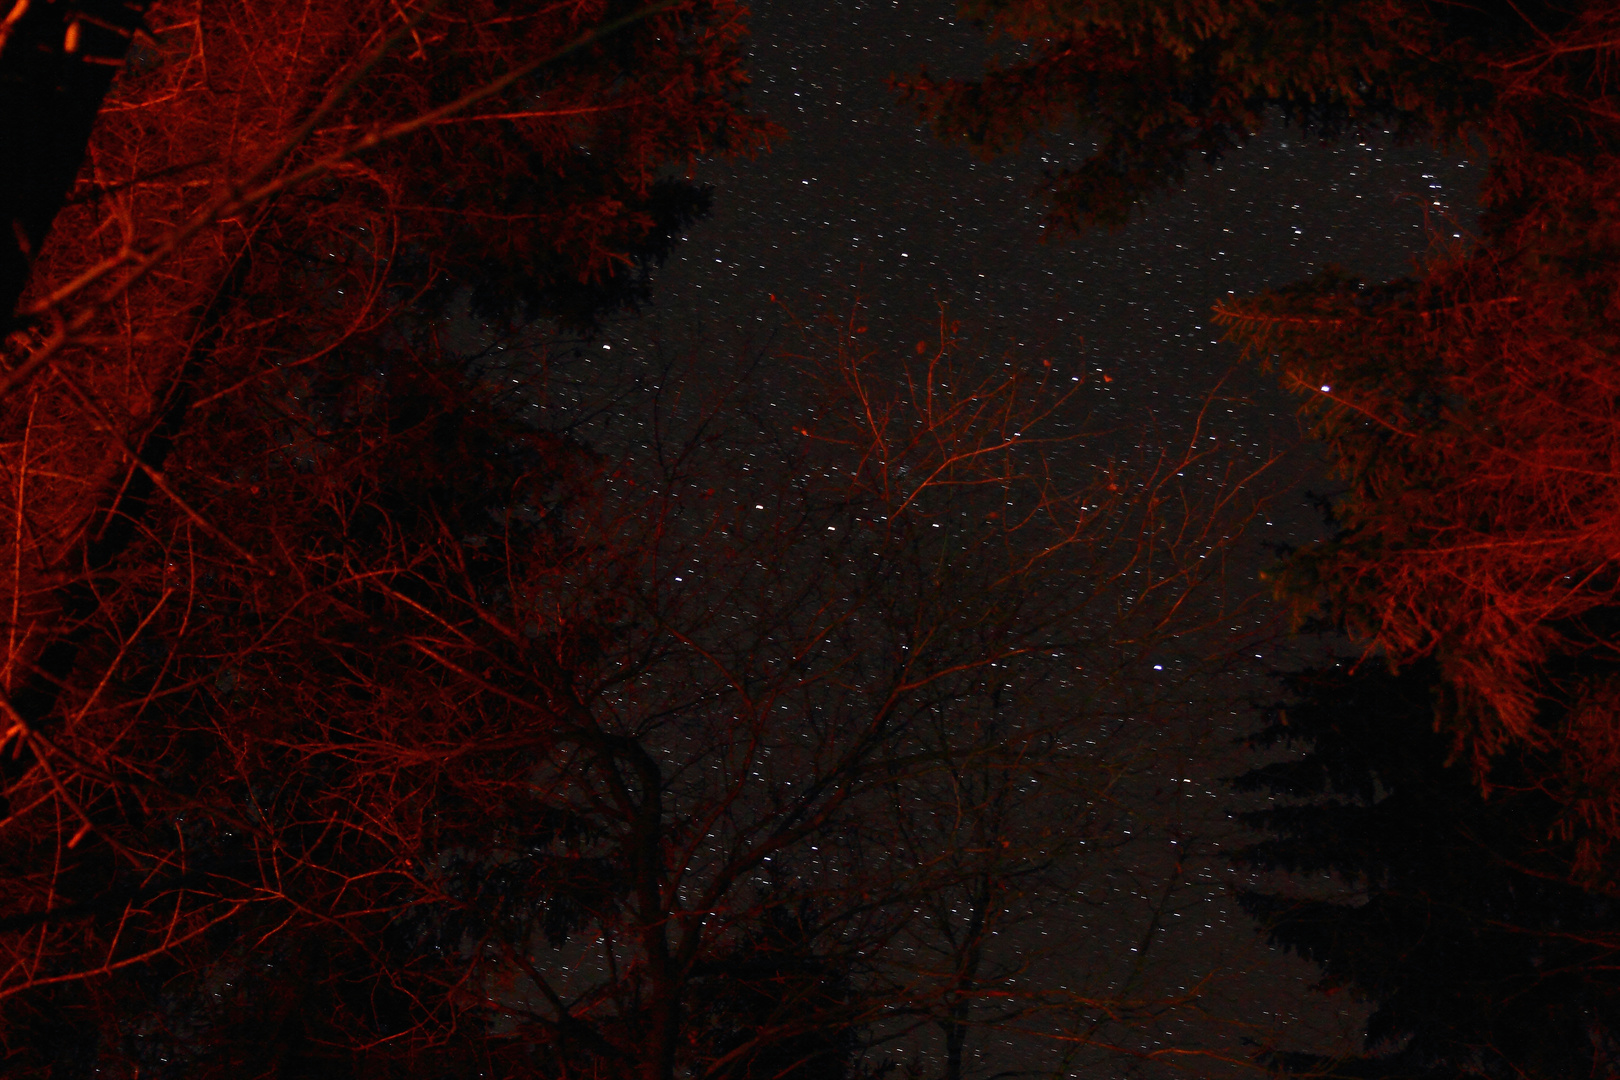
x: 859, y: 200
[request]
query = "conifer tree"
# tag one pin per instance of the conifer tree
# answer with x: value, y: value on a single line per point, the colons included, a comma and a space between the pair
x: 1454, y: 916
x: 1470, y: 415
x: 1469, y: 410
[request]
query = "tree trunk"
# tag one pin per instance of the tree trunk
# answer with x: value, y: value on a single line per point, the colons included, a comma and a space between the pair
x: 57, y: 61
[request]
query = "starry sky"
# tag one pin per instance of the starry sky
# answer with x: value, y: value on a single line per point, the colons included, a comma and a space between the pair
x: 859, y: 201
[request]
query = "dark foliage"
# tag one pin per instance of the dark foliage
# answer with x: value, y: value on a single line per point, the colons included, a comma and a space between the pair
x: 1158, y: 88
x: 1464, y: 931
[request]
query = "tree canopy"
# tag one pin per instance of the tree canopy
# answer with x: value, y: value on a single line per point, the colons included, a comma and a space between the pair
x: 1469, y: 414
x: 1451, y: 828
x: 1156, y: 86
x: 1467, y: 409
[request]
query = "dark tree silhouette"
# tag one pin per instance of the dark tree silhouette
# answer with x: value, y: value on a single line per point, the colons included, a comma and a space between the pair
x: 1456, y: 918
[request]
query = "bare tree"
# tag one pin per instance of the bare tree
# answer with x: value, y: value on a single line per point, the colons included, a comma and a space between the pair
x: 250, y: 203
x: 640, y: 765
